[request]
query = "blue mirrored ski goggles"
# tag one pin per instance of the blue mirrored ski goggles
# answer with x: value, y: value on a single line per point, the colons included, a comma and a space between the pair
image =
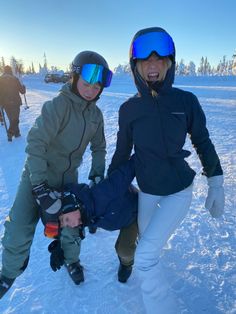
x: 159, y: 42
x: 94, y: 73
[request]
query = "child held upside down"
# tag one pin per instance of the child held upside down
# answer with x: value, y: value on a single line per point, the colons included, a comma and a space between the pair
x: 111, y: 205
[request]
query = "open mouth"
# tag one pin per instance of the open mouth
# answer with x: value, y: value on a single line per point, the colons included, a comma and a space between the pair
x: 152, y: 77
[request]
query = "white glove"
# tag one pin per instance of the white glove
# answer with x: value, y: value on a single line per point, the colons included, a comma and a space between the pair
x: 215, y: 200
x: 95, y: 181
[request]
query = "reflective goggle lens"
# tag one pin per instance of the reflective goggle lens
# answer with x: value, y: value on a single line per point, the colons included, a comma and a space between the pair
x: 93, y: 73
x: 159, y: 42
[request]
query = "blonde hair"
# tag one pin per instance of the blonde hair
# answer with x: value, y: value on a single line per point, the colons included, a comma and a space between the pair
x: 139, y: 63
x: 168, y: 62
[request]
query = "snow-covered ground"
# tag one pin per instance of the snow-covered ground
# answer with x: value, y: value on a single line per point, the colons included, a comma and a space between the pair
x: 199, y: 260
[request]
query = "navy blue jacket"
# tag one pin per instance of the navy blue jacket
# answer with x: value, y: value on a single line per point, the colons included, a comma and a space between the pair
x: 113, y: 202
x: 155, y: 125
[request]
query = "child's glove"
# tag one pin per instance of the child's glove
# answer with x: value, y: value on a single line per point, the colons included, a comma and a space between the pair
x: 47, y: 198
x: 215, y: 200
x: 57, y: 255
x: 50, y: 204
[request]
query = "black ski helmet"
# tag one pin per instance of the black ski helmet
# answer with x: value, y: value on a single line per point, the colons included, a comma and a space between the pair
x: 88, y: 57
x: 85, y: 57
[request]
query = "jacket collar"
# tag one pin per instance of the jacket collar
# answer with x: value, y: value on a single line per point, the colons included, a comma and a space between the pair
x: 76, y: 99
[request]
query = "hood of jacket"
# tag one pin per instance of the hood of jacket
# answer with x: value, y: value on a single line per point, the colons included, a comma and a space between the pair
x: 141, y: 84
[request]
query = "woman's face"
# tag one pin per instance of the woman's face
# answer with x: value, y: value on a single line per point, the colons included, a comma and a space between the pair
x: 88, y: 91
x: 154, y: 68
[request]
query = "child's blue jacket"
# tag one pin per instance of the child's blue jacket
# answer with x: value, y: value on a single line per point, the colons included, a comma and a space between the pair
x: 113, y: 202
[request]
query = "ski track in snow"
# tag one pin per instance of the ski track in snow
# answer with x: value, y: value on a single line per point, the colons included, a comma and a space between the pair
x: 198, y: 261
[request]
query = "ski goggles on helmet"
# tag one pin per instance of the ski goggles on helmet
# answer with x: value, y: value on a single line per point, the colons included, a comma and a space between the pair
x: 94, y: 73
x: 159, y: 42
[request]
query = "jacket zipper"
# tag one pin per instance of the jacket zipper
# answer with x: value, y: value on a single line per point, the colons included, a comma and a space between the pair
x: 77, y: 148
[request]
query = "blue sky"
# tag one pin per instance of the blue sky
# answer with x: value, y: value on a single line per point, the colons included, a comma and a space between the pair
x: 62, y: 28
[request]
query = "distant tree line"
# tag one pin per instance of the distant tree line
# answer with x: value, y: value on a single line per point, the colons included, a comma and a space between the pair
x: 19, y: 68
x: 225, y: 67
x: 17, y: 65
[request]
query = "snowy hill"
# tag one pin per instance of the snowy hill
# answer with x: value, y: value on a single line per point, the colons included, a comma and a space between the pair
x: 199, y: 260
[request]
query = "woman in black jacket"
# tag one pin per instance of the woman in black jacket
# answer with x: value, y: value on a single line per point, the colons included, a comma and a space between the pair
x: 155, y: 123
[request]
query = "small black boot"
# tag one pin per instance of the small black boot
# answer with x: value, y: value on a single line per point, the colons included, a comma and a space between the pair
x: 5, y: 284
x: 76, y: 272
x: 124, y: 272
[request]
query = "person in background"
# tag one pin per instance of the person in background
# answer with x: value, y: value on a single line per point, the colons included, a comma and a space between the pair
x: 10, y: 100
x: 155, y: 123
x: 55, y: 147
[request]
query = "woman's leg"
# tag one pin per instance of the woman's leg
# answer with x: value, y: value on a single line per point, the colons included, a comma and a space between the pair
x: 147, y: 205
x: 126, y: 244
x: 158, y: 218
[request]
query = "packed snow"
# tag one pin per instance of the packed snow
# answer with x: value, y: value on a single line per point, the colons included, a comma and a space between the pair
x: 198, y: 261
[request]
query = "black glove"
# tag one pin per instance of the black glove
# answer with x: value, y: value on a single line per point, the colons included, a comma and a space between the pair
x: 49, y: 208
x: 57, y: 255
x: 49, y: 202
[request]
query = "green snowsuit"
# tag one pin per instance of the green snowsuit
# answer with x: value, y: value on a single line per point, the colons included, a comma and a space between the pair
x: 56, y: 144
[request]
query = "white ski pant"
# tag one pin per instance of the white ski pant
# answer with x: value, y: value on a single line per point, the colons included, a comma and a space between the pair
x: 158, y: 218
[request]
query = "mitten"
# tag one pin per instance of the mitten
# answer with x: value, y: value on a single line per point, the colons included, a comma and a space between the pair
x: 215, y: 200
x: 49, y: 203
x: 57, y: 255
